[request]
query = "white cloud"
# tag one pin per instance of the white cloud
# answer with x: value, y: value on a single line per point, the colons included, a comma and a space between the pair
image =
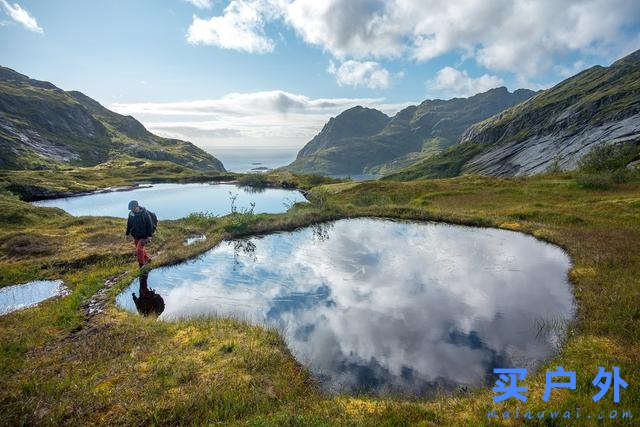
x: 358, y: 28
x: 240, y: 27
x: 513, y: 35
x: 572, y: 69
x: 520, y: 36
x: 355, y: 73
x: 450, y: 82
x: 22, y: 16
x: 270, y: 118
x: 201, y: 4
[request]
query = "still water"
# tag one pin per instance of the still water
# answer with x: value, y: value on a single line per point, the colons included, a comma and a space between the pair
x: 379, y: 306
x: 16, y: 297
x: 173, y: 201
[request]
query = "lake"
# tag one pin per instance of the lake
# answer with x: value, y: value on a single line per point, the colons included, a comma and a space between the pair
x: 173, y: 201
x: 379, y: 306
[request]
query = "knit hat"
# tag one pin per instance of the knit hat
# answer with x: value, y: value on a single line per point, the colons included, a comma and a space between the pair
x: 133, y: 204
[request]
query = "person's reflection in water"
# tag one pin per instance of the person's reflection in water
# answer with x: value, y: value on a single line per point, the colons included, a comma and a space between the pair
x: 149, y: 302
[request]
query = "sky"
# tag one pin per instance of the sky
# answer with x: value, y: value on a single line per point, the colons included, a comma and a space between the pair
x: 270, y: 73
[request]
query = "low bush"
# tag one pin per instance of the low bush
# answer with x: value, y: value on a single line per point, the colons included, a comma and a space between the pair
x: 253, y: 180
x: 609, y: 157
x: 606, y: 165
x: 595, y: 181
x: 201, y: 218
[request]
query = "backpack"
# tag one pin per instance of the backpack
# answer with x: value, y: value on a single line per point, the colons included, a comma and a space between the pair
x: 154, y: 221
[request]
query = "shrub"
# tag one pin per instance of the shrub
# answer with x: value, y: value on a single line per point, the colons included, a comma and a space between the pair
x: 317, y: 180
x: 239, y: 221
x: 606, y: 165
x: 201, y: 218
x: 595, y: 181
x: 253, y: 180
x: 554, y: 167
x: 609, y: 157
x: 622, y: 175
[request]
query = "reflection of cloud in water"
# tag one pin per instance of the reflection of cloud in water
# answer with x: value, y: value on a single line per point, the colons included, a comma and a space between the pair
x: 385, y: 305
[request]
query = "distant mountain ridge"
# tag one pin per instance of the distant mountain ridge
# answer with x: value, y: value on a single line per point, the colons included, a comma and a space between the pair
x: 553, y: 129
x: 364, y: 140
x: 42, y: 125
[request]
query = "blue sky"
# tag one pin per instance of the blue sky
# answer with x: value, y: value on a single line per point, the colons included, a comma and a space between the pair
x: 271, y: 72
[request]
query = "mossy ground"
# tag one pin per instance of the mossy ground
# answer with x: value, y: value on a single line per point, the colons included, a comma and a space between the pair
x: 58, y: 367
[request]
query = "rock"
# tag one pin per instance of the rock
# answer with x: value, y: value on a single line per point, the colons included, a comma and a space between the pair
x: 600, y: 105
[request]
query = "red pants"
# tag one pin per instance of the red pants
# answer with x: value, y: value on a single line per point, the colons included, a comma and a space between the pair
x: 143, y: 256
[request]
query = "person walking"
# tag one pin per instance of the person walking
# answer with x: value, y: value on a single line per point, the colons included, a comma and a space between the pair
x: 140, y: 225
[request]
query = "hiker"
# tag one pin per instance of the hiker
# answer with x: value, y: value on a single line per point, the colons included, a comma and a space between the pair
x: 150, y: 302
x: 141, y: 225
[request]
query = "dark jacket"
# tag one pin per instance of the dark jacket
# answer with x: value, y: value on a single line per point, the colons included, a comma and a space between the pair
x: 139, y: 224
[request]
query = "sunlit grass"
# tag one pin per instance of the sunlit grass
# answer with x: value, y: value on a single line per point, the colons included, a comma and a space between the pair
x: 56, y: 367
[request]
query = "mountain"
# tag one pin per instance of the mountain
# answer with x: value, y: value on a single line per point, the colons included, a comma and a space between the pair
x: 553, y: 129
x: 364, y: 140
x: 42, y: 126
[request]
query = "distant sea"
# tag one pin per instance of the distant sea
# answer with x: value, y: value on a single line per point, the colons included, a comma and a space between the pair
x: 246, y: 158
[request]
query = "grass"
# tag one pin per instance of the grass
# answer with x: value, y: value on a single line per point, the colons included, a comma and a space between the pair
x: 56, y: 366
x: 59, y: 182
x: 253, y: 180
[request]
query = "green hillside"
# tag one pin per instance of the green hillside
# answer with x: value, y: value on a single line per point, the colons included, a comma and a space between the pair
x: 363, y: 140
x: 42, y: 126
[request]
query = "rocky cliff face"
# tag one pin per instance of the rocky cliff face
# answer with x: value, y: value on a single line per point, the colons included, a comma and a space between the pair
x: 556, y: 127
x: 42, y: 125
x: 362, y: 140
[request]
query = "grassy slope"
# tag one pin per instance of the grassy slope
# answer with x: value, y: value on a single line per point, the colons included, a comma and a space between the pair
x: 80, y: 127
x: 55, y: 366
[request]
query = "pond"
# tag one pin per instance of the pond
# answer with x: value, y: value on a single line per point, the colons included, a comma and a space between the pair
x: 173, y: 201
x: 379, y: 306
x: 16, y: 297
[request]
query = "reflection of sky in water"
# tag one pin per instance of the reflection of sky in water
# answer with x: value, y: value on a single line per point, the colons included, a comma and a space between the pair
x: 15, y: 297
x: 172, y: 201
x: 377, y: 305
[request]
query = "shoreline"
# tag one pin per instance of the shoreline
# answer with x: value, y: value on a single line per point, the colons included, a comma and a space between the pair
x: 48, y: 194
x: 138, y: 185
